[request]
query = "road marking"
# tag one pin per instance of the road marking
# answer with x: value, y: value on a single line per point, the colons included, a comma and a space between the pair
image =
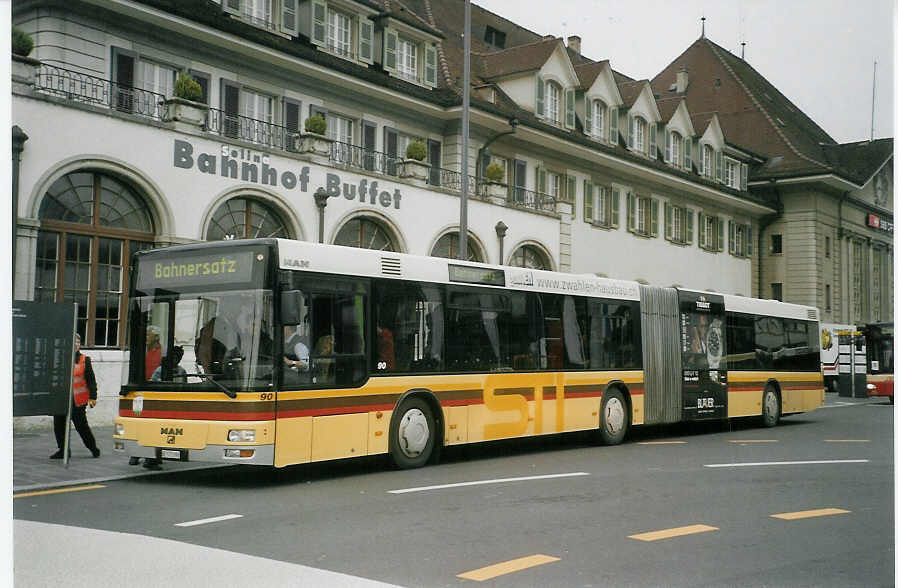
x: 675, y: 532
x: 210, y: 520
x: 806, y: 514
x: 661, y: 443
x: 481, y: 482
x: 776, y: 463
x: 846, y: 441
x: 753, y: 441
x: 58, y: 490
x: 507, y: 567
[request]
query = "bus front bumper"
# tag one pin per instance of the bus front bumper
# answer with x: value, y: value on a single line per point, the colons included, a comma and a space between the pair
x: 251, y: 454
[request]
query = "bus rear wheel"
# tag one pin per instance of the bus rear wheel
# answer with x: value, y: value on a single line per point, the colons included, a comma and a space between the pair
x: 770, y: 407
x: 412, y: 434
x: 613, y: 417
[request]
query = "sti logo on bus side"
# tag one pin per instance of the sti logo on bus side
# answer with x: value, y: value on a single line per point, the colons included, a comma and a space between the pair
x: 297, y: 263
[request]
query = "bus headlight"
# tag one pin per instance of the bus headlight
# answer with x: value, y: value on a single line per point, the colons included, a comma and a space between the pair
x: 239, y: 453
x: 871, y: 387
x: 119, y: 429
x: 242, y: 435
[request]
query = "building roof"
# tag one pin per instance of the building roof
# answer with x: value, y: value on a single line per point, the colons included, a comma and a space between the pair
x: 520, y: 59
x: 589, y: 71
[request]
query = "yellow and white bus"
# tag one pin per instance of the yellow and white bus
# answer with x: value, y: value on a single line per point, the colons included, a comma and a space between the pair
x: 278, y: 352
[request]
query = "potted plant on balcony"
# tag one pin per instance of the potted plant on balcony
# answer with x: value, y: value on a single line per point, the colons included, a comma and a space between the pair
x: 185, y: 105
x: 23, y: 67
x: 413, y: 166
x: 314, y: 141
x: 496, y: 189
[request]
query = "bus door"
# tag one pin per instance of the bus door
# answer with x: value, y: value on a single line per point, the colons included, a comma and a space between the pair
x: 703, y: 344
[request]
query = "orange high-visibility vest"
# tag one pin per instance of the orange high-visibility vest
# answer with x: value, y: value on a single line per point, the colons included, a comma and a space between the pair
x: 79, y: 382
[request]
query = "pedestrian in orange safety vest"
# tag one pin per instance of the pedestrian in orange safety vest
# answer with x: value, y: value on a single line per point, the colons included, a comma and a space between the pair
x: 84, y: 392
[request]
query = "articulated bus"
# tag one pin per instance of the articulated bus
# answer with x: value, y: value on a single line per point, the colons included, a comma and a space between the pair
x: 278, y: 352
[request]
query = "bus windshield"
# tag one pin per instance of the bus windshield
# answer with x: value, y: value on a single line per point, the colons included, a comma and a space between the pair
x: 204, y: 340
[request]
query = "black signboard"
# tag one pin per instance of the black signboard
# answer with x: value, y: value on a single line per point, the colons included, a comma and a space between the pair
x: 703, y: 340
x: 476, y: 275
x: 42, y: 334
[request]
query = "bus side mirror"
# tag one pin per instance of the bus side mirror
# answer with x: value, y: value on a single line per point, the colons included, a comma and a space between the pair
x: 292, y: 302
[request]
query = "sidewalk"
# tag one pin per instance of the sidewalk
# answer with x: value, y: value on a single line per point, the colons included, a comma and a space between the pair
x: 34, y: 470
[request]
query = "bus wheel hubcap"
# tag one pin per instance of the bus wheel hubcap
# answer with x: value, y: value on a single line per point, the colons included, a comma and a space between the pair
x: 771, y: 404
x: 413, y: 433
x: 614, y: 415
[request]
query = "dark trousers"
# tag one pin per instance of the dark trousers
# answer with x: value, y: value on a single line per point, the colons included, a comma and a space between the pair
x: 79, y: 417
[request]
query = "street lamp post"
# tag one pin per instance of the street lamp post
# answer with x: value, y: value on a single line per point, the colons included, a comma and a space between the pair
x: 321, y: 203
x: 501, y: 229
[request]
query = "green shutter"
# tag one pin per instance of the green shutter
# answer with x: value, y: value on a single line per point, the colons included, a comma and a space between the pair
x: 588, y: 201
x: 631, y: 138
x: 570, y: 117
x: 587, y: 107
x: 319, y: 23
x: 749, y: 245
x: 743, y: 177
x: 667, y: 140
x: 653, y: 141
x: 614, y: 133
x: 687, y: 153
x: 689, y: 220
x: 541, y: 180
x: 720, y: 166
x: 631, y: 212
x: 702, y: 241
x: 615, y: 208
x: 391, y: 40
x: 719, y: 234
x: 668, y: 221
x: 366, y: 41
x: 655, y: 211
x: 430, y: 65
x: 731, y: 233
x: 540, y: 96
x: 288, y: 17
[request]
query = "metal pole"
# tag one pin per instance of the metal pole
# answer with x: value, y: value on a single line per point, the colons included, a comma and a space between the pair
x: 68, y: 415
x: 321, y: 203
x: 465, y: 117
x: 873, y: 102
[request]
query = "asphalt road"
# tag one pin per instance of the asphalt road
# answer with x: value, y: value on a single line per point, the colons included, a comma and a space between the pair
x: 673, y: 506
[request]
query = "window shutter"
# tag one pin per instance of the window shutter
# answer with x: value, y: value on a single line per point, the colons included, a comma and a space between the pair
x: 588, y: 202
x: 588, y: 106
x: 743, y: 177
x: 668, y: 221
x: 430, y: 65
x: 631, y: 212
x: 615, y: 208
x: 571, y: 194
x: 291, y: 115
x: 319, y: 23
x: 702, y: 241
x: 720, y: 234
x: 687, y: 153
x: 631, y: 143
x: 614, y: 133
x: 731, y: 233
x: 689, y: 219
x: 541, y: 180
x: 366, y: 41
x: 749, y: 245
x: 231, y: 6
x: 570, y: 118
x: 655, y: 212
x: 391, y: 40
x: 540, y: 96
x: 288, y: 17
x: 653, y: 141
x: 391, y: 142
x: 720, y: 166
x: 667, y: 140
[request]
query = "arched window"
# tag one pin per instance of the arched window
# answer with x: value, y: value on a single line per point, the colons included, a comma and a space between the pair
x: 530, y: 257
x: 447, y: 246
x: 676, y: 149
x: 367, y: 234
x: 553, y: 102
x: 91, y: 223
x: 600, y: 113
x: 245, y: 218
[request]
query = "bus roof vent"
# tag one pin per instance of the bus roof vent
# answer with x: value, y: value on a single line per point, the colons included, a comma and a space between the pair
x: 390, y: 266
x: 812, y: 314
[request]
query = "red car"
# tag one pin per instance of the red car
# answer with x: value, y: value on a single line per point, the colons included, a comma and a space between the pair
x: 881, y: 385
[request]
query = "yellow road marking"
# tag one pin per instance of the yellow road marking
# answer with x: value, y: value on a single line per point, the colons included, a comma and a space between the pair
x: 806, y: 514
x: 507, y: 567
x: 661, y: 442
x: 754, y: 441
x: 846, y: 441
x: 58, y: 491
x: 676, y: 532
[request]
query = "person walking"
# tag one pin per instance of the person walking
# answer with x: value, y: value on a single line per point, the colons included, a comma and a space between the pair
x: 84, y: 392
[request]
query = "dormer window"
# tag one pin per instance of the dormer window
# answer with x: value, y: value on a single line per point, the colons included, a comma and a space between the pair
x: 599, y: 119
x: 553, y: 102
x: 707, y: 159
x: 339, y: 33
x: 676, y: 149
x: 494, y: 37
x: 407, y: 59
x: 271, y: 15
x: 638, y: 134
x: 337, y: 30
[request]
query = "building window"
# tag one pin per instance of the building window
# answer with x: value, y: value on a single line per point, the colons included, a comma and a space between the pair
x: 828, y: 299
x: 258, y: 12
x: 740, y: 239
x: 256, y: 110
x: 339, y: 33
x: 707, y: 160
x: 676, y: 149
x: 827, y: 246
x: 553, y: 102
x: 731, y: 173
x: 530, y: 257
x: 858, y: 279
x: 876, y: 275
x: 678, y: 224
x: 447, y: 246
x: 776, y: 291
x: 601, y: 204
x: 407, y: 59
x: 494, y: 37
x: 642, y: 215
x: 553, y: 185
x: 710, y: 232
x: 339, y: 128
x: 365, y: 233
x: 245, y: 218
x: 599, y: 116
x: 776, y: 244
x: 158, y: 78
x: 639, y: 129
x: 91, y: 223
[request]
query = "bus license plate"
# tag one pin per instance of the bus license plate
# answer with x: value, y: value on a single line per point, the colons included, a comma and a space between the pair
x: 172, y: 454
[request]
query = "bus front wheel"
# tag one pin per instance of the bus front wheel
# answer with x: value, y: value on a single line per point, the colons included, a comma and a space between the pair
x: 770, y: 407
x: 613, y: 418
x: 412, y: 434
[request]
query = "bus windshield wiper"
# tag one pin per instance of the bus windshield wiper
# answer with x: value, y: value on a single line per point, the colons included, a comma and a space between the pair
x: 230, y: 393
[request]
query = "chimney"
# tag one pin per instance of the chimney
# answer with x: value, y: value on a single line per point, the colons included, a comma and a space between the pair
x: 682, y: 80
x: 573, y: 43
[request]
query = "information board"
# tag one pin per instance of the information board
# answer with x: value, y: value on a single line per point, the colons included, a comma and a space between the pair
x: 42, y: 334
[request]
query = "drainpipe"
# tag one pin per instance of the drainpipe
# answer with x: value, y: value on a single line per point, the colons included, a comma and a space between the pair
x: 18, y: 145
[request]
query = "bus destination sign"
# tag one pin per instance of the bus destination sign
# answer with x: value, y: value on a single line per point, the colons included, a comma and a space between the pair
x: 476, y: 275
x: 196, y: 270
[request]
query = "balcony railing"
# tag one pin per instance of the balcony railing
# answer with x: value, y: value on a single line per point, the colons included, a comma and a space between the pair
x: 87, y: 89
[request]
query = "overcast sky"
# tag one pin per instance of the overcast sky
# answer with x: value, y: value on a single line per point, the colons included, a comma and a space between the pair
x: 819, y: 53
